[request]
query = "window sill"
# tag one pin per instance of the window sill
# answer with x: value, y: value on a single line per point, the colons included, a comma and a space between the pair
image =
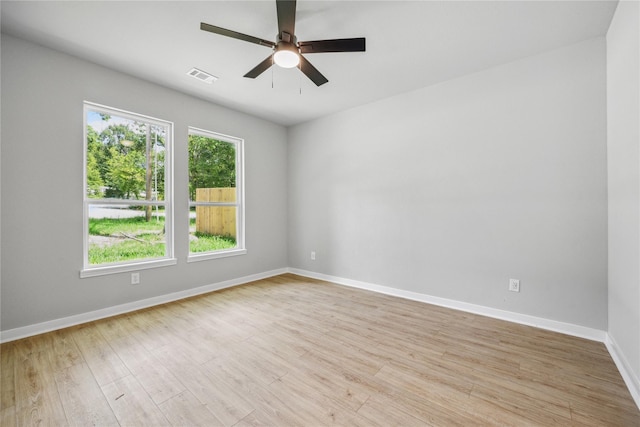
x: 123, y: 268
x: 215, y: 255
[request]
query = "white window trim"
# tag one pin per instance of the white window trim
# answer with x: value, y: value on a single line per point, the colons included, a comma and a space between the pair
x: 114, y: 268
x: 105, y: 269
x: 240, y: 248
x: 223, y: 253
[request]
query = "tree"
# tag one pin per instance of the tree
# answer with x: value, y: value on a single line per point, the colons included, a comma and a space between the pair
x: 102, y: 148
x: 95, y: 182
x: 126, y: 160
x: 123, y: 154
x: 212, y: 164
x: 126, y: 173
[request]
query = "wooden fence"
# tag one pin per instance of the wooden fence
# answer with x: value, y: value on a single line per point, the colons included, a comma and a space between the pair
x: 216, y: 220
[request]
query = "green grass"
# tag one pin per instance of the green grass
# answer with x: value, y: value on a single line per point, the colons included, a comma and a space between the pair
x: 128, y: 250
x: 207, y: 242
x: 152, y: 236
x: 113, y: 226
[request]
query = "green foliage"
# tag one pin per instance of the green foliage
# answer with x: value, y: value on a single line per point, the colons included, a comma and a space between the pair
x: 212, y: 164
x: 117, y: 160
x: 95, y: 183
x: 159, y: 178
x: 126, y: 173
x: 94, y: 179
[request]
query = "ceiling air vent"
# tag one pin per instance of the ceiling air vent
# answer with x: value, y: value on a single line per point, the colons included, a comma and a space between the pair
x: 202, y: 75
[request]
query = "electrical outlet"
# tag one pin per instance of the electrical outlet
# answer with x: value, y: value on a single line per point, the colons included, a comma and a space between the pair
x: 135, y: 278
x: 514, y: 285
x: 313, y: 255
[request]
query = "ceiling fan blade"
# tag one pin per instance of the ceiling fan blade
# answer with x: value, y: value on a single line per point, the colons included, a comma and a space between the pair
x: 337, y: 45
x: 235, y: 35
x: 260, y: 68
x: 311, y: 72
x: 286, y: 10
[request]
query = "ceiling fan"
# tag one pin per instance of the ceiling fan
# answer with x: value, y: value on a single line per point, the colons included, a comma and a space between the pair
x: 287, y: 51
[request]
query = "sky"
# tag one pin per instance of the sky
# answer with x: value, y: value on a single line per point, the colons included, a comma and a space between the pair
x: 95, y: 121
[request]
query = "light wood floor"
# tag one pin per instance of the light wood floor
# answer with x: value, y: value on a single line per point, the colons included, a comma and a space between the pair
x: 294, y: 351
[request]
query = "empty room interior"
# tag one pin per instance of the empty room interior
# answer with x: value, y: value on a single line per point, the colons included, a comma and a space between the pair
x: 281, y: 213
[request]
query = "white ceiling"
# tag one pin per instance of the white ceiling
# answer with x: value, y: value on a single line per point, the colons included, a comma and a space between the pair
x: 410, y: 44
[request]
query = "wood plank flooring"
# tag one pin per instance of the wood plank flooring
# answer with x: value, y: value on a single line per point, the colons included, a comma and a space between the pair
x: 291, y: 351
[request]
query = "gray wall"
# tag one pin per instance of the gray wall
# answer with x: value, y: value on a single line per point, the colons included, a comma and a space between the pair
x: 42, y: 95
x: 448, y: 191
x: 623, y: 116
x: 455, y: 188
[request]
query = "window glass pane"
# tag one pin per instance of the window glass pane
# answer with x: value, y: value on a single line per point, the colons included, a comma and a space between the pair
x: 212, y: 164
x: 216, y: 220
x: 125, y: 158
x: 127, y: 209
x: 212, y: 228
x: 120, y: 233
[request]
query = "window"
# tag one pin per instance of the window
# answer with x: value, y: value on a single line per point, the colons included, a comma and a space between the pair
x: 127, y: 191
x: 216, y: 196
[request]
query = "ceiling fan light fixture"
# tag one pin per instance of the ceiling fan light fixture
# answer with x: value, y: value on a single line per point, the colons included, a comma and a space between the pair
x: 286, y: 55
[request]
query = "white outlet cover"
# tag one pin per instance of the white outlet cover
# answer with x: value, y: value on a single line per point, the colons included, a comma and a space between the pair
x: 514, y: 285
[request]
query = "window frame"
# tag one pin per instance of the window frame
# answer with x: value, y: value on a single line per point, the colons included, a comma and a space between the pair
x: 89, y: 270
x: 239, y: 204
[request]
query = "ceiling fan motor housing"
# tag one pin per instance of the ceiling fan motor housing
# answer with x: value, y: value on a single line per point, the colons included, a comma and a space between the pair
x: 287, y: 38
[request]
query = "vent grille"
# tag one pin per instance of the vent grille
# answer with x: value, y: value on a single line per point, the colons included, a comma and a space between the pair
x: 203, y: 76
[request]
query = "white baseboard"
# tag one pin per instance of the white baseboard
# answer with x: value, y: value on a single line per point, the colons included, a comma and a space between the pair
x: 566, y: 328
x: 632, y: 382
x: 538, y: 322
x: 52, y: 325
